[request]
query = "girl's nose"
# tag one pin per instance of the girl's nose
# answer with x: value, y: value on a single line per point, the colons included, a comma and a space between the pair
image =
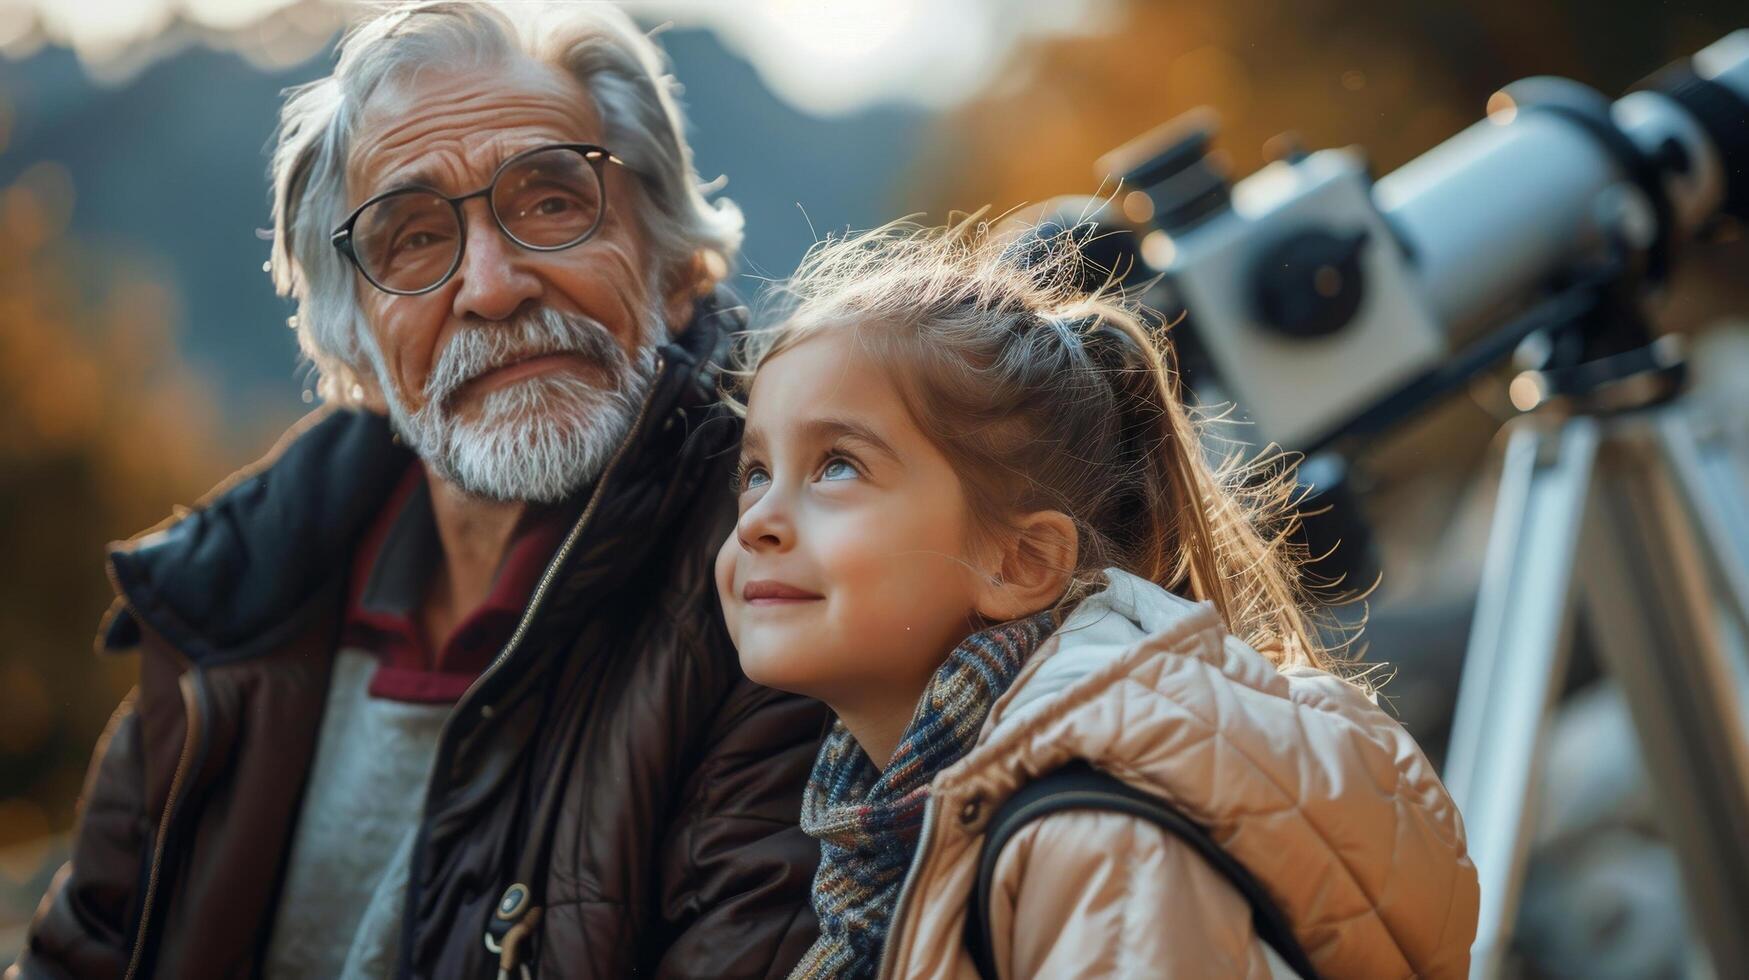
x: 766, y: 526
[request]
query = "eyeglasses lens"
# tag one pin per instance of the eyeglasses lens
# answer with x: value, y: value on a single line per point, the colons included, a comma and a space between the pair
x: 410, y: 241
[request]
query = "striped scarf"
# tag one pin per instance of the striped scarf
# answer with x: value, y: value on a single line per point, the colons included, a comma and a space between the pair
x: 868, y: 821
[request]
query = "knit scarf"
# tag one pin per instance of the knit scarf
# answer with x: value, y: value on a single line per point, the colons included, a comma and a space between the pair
x: 868, y: 821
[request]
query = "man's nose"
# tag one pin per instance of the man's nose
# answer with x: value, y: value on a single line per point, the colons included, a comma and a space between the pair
x: 494, y: 278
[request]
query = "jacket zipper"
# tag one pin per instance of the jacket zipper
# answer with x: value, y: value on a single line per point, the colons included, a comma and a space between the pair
x: 570, y: 542
x: 541, y: 588
x: 187, y: 683
x: 889, y: 961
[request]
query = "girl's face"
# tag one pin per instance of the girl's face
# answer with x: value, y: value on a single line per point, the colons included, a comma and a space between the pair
x: 846, y: 578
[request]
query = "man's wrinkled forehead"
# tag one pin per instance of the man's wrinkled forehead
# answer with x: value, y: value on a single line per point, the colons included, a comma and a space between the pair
x: 450, y: 128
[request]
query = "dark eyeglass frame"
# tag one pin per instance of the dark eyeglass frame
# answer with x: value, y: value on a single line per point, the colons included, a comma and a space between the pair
x: 598, y: 158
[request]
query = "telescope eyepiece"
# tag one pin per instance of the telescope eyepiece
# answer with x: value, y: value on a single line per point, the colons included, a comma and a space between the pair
x: 1173, y: 165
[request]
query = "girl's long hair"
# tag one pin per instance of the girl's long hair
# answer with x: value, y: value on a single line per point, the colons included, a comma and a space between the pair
x: 1043, y: 395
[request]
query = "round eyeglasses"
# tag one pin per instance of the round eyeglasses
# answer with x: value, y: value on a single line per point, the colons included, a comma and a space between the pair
x: 409, y: 240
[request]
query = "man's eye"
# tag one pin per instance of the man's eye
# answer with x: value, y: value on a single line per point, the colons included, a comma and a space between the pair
x: 417, y: 240
x: 839, y: 469
x: 554, y: 205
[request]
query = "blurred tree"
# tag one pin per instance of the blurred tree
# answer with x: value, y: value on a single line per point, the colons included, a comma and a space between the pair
x: 102, y: 429
x: 1395, y: 78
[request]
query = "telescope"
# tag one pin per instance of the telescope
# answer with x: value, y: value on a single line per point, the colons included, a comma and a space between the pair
x: 1329, y: 306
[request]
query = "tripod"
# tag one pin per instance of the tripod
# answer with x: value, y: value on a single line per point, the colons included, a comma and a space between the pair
x: 1631, y: 507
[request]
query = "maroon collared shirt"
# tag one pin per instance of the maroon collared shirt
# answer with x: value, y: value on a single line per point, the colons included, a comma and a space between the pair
x: 391, y: 570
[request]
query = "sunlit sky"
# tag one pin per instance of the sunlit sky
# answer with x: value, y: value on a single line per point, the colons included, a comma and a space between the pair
x: 824, y: 56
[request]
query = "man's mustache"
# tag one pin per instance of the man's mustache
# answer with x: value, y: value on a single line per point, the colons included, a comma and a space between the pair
x: 476, y: 350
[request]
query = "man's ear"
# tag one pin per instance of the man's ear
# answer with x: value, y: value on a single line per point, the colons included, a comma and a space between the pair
x: 1032, y: 569
x: 697, y: 278
x: 367, y: 391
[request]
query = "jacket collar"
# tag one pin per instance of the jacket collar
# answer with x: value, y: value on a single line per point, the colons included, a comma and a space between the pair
x: 1105, y: 627
x: 233, y: 577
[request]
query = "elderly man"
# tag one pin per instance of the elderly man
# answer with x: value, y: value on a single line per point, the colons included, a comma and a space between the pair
x: 439, y: 688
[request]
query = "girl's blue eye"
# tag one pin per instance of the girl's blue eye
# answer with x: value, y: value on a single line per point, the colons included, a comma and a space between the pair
x: 753, y: 479
x: 838, y: 469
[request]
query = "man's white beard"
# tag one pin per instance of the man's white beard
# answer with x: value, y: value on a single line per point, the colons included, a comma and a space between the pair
x: 538, y: 439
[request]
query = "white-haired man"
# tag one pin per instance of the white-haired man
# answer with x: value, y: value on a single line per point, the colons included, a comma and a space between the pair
x: 438, y: 688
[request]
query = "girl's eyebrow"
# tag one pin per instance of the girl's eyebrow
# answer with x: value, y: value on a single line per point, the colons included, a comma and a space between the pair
x: 752, y: 441
x: 830, y: 429
x: 824, y: 430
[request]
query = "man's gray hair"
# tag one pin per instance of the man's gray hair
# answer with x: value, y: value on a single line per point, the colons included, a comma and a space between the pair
x: 621, y: 69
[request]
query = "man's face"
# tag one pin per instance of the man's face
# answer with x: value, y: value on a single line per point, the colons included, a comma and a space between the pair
x: 518, y: 376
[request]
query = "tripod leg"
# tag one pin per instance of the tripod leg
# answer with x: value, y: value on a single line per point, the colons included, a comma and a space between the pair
x: 1713, y: 482
x: 1652, y: 592
x: 1516, y: 658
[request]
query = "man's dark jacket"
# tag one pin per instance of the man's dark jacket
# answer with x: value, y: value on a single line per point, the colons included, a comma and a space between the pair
x: 616, y: 714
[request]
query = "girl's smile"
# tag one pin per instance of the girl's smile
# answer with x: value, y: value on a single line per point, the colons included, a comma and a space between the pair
x: 768, y: 593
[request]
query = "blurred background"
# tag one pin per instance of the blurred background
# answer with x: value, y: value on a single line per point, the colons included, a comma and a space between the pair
x: 143, y: 354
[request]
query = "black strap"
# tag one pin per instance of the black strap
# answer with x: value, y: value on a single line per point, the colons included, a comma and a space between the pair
x: 1079, y: 786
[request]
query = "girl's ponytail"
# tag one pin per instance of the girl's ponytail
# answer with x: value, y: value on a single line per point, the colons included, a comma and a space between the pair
x: 1219, y: 532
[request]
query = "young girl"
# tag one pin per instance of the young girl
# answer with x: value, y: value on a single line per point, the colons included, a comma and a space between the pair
x: 976, y: 521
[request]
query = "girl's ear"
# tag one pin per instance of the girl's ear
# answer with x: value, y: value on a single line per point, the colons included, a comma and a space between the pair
x: 1033, y: 569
